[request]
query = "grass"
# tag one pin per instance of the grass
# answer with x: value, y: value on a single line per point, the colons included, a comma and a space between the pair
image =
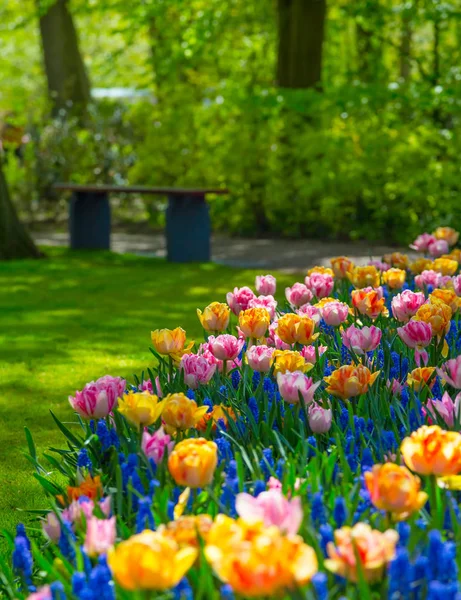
x: 71, y: 318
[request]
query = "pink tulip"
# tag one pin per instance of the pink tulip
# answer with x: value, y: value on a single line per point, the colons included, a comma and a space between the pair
x: 335, y: 313
x: 272, y: 508
x: 273, y: 339
x: 239, y: 299
x: 293, y: 384
x: 457, y: 284
x: 298, y: 294
x: 43, y: 593
x: 447, y: 409
x: 361, y: 340
x: 100, y: 535
x: 83, y: 509
x: 422, y: 242
x: 416, y: 334
x: 52, y: 527
x: 320, y: 284
x: 98, y: 398
x: 156, y: 444
x: 267, y: 302
x: 307, y: 310
x: 380, y: 265
x: 438, y: 248
x: 379, y: 290
x: 319, y: 418
x: 428, y: 277
x: 451, y: 372
x: 310, y: 355
x: 395, y: 386
x: 146, y: 386
x: 226, y: 347
x: 274, y: 483
x: 266, y: 285
x: 405, y: 305
x: 197, y: 370
x: 260, y: 358
x: 205, y: 351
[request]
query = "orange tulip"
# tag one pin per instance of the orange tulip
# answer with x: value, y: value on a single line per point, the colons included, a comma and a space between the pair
x: 179, y: 412
x: 394, y: 489
x: 371, y: 303
x: 293, y: 328
x: 219, y: 413
x: 257, y: 560
x: 192, y: 462
x: 254, y: 322
x: 397, y: 259
x: 350, y: 380
x: 89, y: 487
x: 432, y: 451
x: 341, y: 266
x: 373, y: 549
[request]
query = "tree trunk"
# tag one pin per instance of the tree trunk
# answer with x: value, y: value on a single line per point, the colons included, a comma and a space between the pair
x: 15, y: 241
x: 301, y: 32
x: 68, y: 83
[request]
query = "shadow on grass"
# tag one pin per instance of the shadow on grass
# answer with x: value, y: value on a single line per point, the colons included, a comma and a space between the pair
x: 73, y: 317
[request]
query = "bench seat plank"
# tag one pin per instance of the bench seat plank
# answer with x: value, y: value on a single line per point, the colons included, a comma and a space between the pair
x: 136, y: 189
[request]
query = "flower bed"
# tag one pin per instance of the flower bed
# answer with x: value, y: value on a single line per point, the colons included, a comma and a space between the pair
x: 308, y: 448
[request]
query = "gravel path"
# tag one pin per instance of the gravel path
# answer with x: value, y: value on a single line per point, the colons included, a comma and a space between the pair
x: 280, y: 254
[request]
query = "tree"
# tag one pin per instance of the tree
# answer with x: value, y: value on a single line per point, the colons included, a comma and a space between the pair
x: 68, y: 82
x: 15, y: 241
x: 301, y: 28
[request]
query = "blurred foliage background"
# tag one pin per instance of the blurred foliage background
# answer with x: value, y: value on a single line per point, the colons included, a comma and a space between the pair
x: 339, y: 119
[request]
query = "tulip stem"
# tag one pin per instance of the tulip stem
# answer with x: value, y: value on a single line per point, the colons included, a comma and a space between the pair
x: 436, y: 508
x: 171, y: 368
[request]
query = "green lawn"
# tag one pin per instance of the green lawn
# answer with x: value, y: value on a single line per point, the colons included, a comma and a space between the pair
x: 74, y: 317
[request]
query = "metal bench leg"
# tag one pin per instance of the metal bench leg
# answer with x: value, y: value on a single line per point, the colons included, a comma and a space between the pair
x: 89, y: 221
x: 188, y: 229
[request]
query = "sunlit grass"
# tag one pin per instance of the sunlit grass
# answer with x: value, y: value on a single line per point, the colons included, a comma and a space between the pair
x: 71, y: 318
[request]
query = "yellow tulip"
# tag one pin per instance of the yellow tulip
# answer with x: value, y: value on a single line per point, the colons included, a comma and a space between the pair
x: 445, y: 266
x: 150, y: 561
x: 362, y: 277
x: 140, y: 408
x: 288, y: 360
x: 395, y: 278
x: 171, y: 342
x: 215, y: 317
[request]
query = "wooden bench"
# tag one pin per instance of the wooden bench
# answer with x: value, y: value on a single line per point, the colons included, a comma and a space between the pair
x: 188, y: 227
